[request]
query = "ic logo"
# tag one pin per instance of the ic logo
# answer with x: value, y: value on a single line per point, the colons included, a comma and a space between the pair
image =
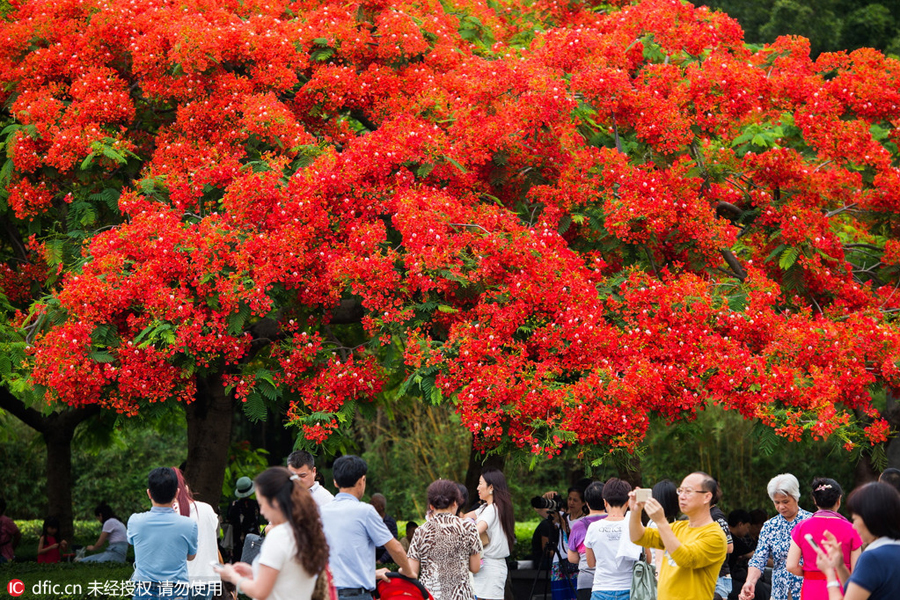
x: 15, y: 587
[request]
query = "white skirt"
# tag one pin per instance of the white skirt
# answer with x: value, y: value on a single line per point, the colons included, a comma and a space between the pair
x: 490, y: 580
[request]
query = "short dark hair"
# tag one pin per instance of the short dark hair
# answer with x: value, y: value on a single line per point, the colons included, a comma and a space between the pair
x: 758, y: 516
x: 615, y: 491
x: 891, y: 476
x: 710, y: 485
x: 736, y: 517
x: 463, y: 497
x: 348, y: 470
x: 163, y: 484
x: 878, y: 505
x: 665, y: 492
x: 301, y: 458
x: 826, y: 492
x: 442, y: 493
x: 593, y: 495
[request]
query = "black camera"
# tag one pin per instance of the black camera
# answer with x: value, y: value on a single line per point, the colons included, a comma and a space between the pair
x: 554, y: 503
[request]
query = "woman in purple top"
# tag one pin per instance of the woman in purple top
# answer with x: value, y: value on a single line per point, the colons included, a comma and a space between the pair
x: 827, y: 495
x: 593, y: 496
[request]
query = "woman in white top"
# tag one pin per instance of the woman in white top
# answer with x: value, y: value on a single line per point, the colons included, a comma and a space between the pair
x: 294, y: 551
x: 113, y: 532
x: 608, y: 548
x: 495, y: 520
x: 204, y: 579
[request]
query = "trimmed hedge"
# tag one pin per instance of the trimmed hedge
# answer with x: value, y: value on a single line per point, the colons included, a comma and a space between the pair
x: 83, y: 529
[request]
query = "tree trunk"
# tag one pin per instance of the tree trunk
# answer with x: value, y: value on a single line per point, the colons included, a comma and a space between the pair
x: 59, y: 476
x: 631, y: 471
x: 209, y: 422
x: 864, y: 471
x: 57, y: 429
x: 478, y: 462
x: 892, y: 414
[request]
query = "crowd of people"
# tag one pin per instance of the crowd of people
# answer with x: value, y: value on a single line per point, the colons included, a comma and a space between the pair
x: 323, y: 546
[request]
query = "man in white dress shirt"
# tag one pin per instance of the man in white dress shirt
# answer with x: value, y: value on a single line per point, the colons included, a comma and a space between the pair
x: 303, y: 465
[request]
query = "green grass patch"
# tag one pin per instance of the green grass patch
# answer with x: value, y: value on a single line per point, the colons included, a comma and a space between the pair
x: 66, y: 581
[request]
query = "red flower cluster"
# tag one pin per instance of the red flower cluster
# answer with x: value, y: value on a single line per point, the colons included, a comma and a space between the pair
x: 561, y: 220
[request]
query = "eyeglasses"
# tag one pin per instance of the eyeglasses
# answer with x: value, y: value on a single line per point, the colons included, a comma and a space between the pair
x: 686, y: 491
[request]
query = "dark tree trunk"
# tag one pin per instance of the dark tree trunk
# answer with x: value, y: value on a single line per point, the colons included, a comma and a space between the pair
x: 209, y: 421
x: 57, y: 429
x: 631, y: 471
x: 892, y: 414
x: 864, y: 471
x: 478, y: 462
x: 59, y: 475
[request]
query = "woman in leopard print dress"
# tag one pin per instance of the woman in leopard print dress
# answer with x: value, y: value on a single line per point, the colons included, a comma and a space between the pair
x: 445, y: 548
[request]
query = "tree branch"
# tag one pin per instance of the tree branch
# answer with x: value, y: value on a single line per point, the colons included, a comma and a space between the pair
x: 838, y: 211
x: 867, y: 246
x: 362, y: 118
x: 17, y: 408
x: 727, y: 207
x: 616, y: 132
x: 477, y: 226
x: 349, y: 311
x: 733, y: 263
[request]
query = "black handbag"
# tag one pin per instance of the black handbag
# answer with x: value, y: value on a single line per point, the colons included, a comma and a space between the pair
x: 252, y: 545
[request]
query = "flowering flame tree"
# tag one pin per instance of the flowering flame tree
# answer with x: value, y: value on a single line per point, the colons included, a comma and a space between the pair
x: 560, y: 217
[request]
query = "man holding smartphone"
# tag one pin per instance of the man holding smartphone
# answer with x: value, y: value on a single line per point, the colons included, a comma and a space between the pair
x: 696, y: 547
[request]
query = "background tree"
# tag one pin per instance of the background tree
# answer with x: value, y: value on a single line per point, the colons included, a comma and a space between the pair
x: 559, y: 220
x: 830, y: 25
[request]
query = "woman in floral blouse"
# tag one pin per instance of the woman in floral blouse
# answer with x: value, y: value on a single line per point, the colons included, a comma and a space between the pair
x: 775, y: 541
x: 446, y: 548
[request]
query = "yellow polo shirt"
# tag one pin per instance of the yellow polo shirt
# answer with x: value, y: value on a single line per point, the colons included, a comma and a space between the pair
x: 691, y: 571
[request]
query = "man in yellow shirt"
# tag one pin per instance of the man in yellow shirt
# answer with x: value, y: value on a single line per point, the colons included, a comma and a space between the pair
x: 694, y: 548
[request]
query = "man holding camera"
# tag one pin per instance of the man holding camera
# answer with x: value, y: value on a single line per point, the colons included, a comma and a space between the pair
x: 696, y: 547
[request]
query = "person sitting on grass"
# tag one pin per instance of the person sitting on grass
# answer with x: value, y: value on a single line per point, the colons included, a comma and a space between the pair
x: 113, y: 532
x: 50, y: 546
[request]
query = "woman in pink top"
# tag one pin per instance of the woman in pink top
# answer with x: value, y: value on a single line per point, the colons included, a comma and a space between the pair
x: 826, y: 494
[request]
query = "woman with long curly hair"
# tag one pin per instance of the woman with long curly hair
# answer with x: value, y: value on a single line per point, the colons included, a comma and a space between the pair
x: 294, y: 551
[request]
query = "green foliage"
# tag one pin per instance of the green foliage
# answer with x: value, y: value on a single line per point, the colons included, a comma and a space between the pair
x: 742, y: 456
x: 871, y: 25
x: 110, y: 463
x: 22, y: 459
x: 830, y: 25
x: 243, y: 461
x: 426, y: 440
x: 31, y: 529
x: 117, y: 474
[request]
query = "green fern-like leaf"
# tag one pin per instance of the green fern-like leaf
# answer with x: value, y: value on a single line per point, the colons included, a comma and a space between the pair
x: 255, y: 407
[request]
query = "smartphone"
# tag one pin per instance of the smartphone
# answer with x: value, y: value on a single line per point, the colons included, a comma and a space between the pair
x: 809, y: 538
x: 643, y: 494
x: 216, y: 565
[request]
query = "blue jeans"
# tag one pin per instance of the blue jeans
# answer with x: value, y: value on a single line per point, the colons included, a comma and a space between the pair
x: 205, y: 592
x: 610, y: 594
x: 723, y: 586
x: 115, y: 553
x: 355, y: 594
